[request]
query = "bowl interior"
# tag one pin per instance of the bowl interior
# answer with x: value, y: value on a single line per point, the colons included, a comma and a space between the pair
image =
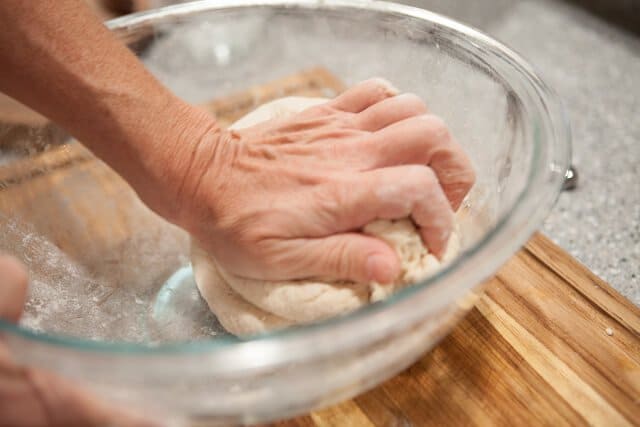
x: 139, y: 289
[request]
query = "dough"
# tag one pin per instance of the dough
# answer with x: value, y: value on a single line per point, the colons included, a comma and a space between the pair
x: 234, y: 313
x: 247, y: 306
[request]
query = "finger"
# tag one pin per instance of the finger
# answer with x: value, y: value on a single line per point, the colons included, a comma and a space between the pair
x: 435, y: 220
x: 423, y: 140
x: 363, y: 95
x: 13, y: 288
x: 391, y: 110
x: 66, y: 404
x: 351, y: 256
x: 389, y: 193
x: 33, y: 397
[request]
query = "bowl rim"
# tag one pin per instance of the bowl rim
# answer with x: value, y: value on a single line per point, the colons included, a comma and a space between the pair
x: 520, y: 228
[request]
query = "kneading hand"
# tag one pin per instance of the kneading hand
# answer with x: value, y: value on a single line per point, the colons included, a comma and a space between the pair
x: 281, y: 200
x: 284, y: 199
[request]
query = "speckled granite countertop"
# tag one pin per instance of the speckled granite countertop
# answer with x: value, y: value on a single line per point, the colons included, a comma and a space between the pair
x: 595, y: 67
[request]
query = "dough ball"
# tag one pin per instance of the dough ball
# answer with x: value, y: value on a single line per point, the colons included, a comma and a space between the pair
x: 236, y: 315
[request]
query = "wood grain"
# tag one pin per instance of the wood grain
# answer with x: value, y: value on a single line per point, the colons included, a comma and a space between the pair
x: 534, y: 351
x: 547, y: 343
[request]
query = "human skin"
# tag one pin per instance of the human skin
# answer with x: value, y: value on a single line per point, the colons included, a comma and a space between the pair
x: 31, y: 397
x: 281, y: 200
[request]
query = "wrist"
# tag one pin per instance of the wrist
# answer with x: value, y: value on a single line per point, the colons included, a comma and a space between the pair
x: 170, y: 160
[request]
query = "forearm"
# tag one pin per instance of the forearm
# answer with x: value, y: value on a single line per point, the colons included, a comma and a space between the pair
x: 59, y: 59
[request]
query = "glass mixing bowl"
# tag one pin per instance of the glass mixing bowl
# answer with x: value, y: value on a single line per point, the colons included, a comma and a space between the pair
x: 144, y: 338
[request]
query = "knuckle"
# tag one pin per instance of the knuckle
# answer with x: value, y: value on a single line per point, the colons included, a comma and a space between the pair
x: 461, y: 185
x: 379, y: 89
x: 413, y: 103
x: 339, y: 260
x: 318, y: 110
x: 365, y: 121
x: 436, y: 127
x: 456, y: 168
x: 383, y: 83
x: 422, y: 176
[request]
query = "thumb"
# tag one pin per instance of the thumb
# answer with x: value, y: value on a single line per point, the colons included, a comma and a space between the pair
x: 353, y: 256
x: 13, y: 288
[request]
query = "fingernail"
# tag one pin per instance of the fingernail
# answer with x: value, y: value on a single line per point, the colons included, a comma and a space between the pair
x: 379, y: 269
x: 444, y: 242
x: 387, y: 85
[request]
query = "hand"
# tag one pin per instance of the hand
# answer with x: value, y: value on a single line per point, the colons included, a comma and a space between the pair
x: 284, y: 199
x: 31, y: 397
x: 281, y: 200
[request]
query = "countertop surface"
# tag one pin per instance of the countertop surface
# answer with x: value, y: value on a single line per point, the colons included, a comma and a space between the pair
x: 595, y: 68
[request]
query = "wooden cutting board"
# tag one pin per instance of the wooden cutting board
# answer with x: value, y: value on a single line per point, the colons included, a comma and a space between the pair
x: 548, y: 343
